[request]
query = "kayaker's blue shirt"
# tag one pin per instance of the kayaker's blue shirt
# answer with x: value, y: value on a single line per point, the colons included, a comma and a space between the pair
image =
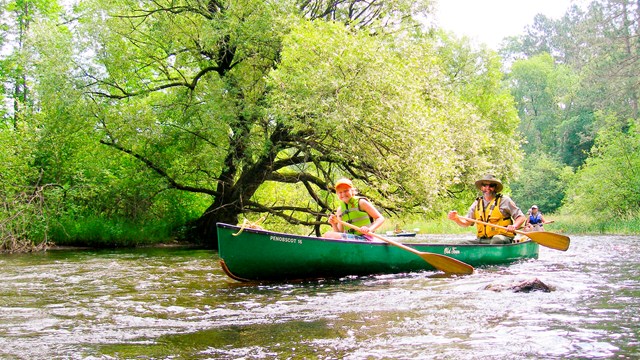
x: 535, y: 219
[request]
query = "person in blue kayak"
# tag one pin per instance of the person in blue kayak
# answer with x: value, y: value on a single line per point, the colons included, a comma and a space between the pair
x: 535, y: 221
x: 495, y: 208
x: 355, y: 210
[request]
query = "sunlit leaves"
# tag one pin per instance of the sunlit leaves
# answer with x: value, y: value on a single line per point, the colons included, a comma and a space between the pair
x: 552, y: 113
x: 382, y: 106
x: 609, y: 183
x: 261, y: 109
x: 486, y: 133
x: 542, y: 182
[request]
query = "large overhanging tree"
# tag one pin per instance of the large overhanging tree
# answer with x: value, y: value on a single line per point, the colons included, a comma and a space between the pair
x: 262, y: 108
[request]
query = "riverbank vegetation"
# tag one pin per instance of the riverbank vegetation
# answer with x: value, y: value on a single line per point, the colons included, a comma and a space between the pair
x: 126, y: 123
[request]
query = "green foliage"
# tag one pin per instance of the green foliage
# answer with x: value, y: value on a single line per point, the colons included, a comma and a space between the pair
x: 377, y: 15
x: 542, y: 182
x: 234, y: 100
x: 142, y: 116
x: 609, y: 43
x: 101, y: 232
x: 608, y: 185
x: 594, y: 49
x: 547, y: 97
x: 588, y: 224
x: 64, y: 185
x: 593, y: 75
x: 23, y: 221
x: 385, y: 105
x: 474, y: 76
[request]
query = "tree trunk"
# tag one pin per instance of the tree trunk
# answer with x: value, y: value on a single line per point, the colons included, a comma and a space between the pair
x: 203, y: 230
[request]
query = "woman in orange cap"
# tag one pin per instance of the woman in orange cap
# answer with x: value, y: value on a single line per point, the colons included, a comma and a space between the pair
x: 354, y: 210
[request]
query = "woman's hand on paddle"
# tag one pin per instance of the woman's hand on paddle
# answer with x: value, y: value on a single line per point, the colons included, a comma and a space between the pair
x: 452, y: 215
x: 365, y: 229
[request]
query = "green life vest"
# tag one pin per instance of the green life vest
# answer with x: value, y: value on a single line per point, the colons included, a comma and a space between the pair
x: 492, y: 215
x: 352, y: 214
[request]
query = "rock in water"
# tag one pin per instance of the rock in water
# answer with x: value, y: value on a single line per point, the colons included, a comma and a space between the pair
x: 522, y: 286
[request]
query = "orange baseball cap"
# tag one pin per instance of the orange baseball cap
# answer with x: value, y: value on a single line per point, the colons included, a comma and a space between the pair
x: 343, y: 182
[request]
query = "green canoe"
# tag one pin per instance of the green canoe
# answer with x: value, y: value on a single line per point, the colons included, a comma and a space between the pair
x: 260, y: 255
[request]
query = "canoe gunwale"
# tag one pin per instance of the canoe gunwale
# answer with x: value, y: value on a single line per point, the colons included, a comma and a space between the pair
x: 382, y: 243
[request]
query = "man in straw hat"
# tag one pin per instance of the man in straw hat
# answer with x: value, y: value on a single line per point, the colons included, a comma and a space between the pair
x: 354, y: 210
x: 495, y: 208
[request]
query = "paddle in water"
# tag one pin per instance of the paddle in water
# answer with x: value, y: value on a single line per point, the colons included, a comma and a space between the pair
x: 544, y: 238
x: 438, y: 261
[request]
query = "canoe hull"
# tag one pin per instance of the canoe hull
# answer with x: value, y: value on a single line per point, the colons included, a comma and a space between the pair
x: 259, y: 255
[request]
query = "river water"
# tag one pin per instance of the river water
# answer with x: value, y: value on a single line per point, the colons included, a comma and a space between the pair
x: 173, y: 303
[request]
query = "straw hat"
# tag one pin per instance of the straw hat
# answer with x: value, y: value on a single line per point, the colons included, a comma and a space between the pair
x: 489, y: 179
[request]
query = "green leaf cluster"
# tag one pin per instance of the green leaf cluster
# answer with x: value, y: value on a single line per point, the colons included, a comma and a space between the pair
x: 608, y: 185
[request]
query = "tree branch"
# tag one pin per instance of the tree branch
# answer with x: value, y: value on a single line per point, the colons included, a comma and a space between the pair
x: 279, y: 211
x: 172, y: 183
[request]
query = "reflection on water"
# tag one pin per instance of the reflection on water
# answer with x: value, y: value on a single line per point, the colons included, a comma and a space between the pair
x: 177, y: 303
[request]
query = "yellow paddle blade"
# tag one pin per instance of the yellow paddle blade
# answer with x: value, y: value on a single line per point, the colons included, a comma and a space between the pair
x: 447, y: 264
x: 549, y: 239
x: 544, y: 238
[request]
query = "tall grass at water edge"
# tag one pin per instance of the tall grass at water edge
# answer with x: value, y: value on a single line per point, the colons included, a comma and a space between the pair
x: 583, y: 224
x: 110, y: 233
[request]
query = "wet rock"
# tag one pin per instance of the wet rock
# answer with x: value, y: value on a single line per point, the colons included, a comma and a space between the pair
x: 521, y: 286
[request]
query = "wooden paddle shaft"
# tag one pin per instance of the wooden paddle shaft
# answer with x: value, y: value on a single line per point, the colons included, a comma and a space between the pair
x: 438, y: 261
x: 493, y: 225
x: 382, y: 238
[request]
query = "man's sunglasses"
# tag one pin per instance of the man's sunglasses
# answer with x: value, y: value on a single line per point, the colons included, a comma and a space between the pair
x: 489, y: 185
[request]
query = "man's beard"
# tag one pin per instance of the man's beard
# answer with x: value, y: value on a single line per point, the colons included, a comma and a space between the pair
x: 490, y: 192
